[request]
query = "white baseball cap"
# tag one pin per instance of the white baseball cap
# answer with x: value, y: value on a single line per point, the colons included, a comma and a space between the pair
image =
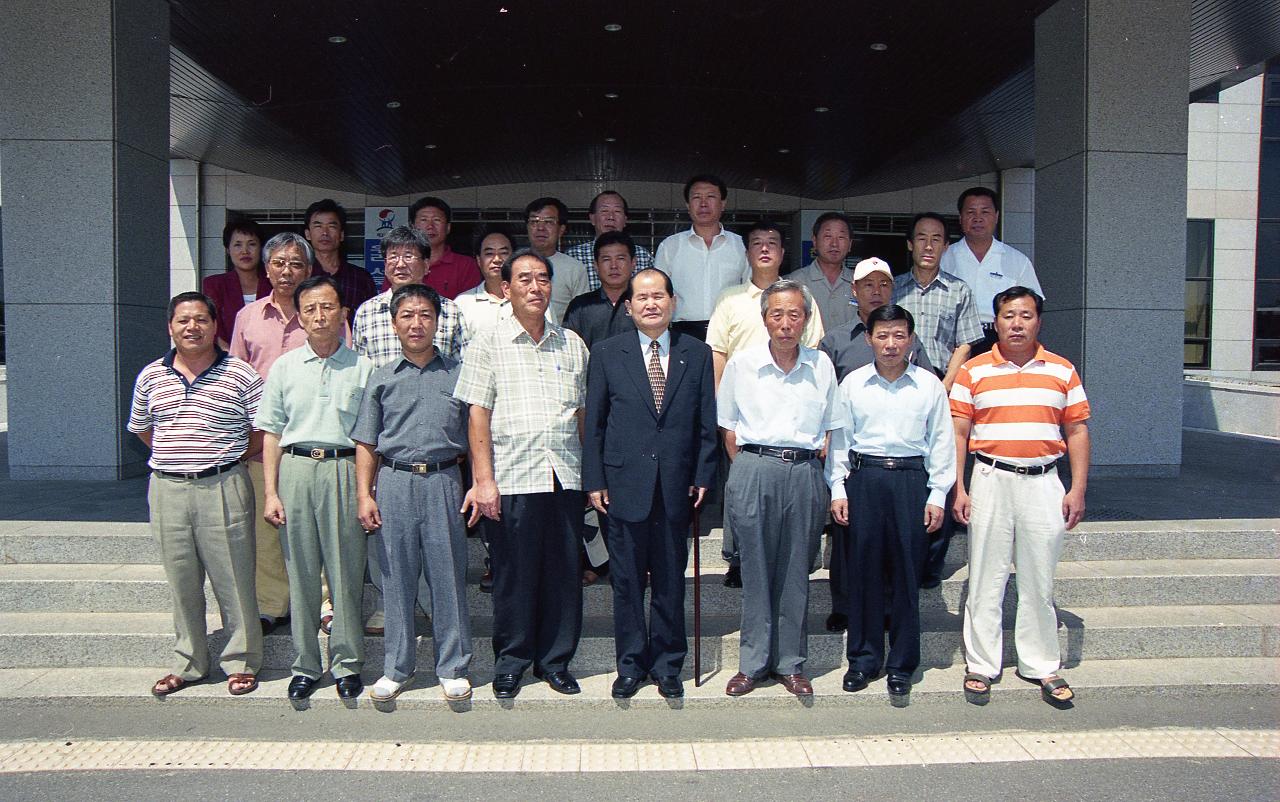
x: 868, y: 266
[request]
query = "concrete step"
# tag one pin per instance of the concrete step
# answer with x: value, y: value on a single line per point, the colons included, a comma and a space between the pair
x: 1110, y: 583
x: 1094, y: 682
x: 87, y: 542
x: 29, y: 640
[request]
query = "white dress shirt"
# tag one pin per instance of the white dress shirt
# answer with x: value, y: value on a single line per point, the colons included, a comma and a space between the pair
x: 1003, y: 267
x: 762, y: 405
x: 568, y: 281
x: 909, y: 417
x: 700, y: 273
x: 664, y: 348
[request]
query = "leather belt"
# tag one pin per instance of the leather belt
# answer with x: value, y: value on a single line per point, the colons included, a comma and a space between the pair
x: 1022, y: 470
x: 207, y: 472
x: 420, y: 467
x: 321, y: 453
x: 857, y: 461
x: 784, y: 454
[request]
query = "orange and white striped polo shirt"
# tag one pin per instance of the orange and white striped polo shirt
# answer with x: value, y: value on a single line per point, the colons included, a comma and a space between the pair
x: 1018, y: 412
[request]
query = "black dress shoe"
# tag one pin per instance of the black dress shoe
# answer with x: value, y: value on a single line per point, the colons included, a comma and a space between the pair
x: 626, y: 687
x: 562, y: 682
x: 300, y: 687
x: 837, y: 622
x: 670, y: 687
x: 733, y: 577
x: 930, y: 582
x: 855, y: 681
x: 506, y: 686
x: 350, y: 686
x: 899, y: 686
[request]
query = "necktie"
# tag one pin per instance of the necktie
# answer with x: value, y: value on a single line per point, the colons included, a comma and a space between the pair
x: 657, y: 380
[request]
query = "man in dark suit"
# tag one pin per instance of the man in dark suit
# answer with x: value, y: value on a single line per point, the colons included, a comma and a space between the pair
x: 648, y: 457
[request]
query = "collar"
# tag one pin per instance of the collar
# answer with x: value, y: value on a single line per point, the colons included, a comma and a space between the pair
x: 942, y: 279
x: 218, y: 356
x: 517, y: 331
x: 405, y: 363
x: 753, y: 291
x: 846, y: 273
x: 996, y: 247
x: 270, y: 307
x: 664, y: 342
x: 908, y: 375
x: 1000, y: 358
x: 338, y: 355
x: 692, y: 234
x: 761, y: 357
x: 481, y: 294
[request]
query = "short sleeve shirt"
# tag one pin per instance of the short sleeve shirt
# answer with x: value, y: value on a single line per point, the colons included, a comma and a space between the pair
x: 374, y: 334
x: 833, y: 301
x: 945, y: 314
x: 1003, y: 267
x: 409, y: 414
x: 737, y: 322
x: 312, y: 401
x: 764, y: 406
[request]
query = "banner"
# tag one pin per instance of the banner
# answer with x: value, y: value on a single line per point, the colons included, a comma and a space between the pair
x: 378, y: 220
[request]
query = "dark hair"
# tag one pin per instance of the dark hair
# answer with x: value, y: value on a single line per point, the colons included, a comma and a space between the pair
x: 430, y: 203
x: 310, y: 283
x: 325, y: 205
x: 1013, y: 294
x: 978, y: 192
x: 911, y: 231
x: 245, y: 226
x: 414, y: 291
x: 192, y: 298
x: 522, y: 254
x: 890, y: 313
x: 706, y: 178
x: 626, y: 210
x: 827, y: 217
x: 764, y: 225
x: 482, y: 232
x: 538, y: 204
x: 404, y: 235
x: 614, y: 238
x: 671, y: 290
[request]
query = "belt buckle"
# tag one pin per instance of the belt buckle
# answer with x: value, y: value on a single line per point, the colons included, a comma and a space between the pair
x: 1022, y: 470
x: 190, y: 475
x: 788, y: 455
x: 317, y: 453
x: 418, y: 468
x: 890, y: 464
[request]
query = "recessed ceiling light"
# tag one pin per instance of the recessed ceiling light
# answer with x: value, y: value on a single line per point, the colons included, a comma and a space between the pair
x: 613, y: 27
x: 431, y: 147
x: 502, y: 10
x: 337, y: 40
x: 611, y: 95
x: 455, y: 177
x: 821, y: 109
x: 784, y: 150
x: 879, y: 47
x: 611, y: 139
x: 393, y: 104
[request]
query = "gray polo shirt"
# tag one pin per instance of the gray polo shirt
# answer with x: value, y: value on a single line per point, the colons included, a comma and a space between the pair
x: 409, y: 413
x: 848, y: 349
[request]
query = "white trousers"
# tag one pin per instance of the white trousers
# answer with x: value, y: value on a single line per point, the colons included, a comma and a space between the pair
x: 1019, y: 519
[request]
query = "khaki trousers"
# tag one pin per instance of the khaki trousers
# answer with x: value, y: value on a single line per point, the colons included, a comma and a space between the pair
x: 271, y: 578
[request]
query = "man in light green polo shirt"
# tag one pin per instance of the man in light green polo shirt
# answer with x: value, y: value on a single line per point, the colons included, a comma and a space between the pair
x: 308, y: 410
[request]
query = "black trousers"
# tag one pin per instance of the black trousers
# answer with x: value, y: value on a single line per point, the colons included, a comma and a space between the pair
x: 537, y: 587
x: 839, y: 559
x: 888, y: 544
x: 659, y: 549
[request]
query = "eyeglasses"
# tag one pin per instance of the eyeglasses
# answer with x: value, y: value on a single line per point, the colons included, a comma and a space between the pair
x: 402, y: 257
x: 543, y: 221
x: 280, y: 264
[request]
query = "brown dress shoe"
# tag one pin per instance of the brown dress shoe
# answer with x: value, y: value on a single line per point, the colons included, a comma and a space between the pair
x: 795, y: 683
x: 740, y: 685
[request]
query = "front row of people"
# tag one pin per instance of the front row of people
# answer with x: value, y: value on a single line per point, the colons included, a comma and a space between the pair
x: 349, y: 449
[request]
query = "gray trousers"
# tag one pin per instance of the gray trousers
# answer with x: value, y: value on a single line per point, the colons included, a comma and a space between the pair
x: 777, y: 509
x: 423, y: 536
x: 321, y: 531
x: 205, y: 526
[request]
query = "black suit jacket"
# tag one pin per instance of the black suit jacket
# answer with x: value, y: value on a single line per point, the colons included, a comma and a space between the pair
x: 629, y: 447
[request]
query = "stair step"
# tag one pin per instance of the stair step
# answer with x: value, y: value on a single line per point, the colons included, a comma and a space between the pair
x: 1093, y: 682
x: 1098, y: 633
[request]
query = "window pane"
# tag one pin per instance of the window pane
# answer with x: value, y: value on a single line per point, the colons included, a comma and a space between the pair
x: 1267, y: 354
x: 1269, y: 178
x: 1268, y: 249
x: 1267, y: 295
x: 1195, y: 355
x: 1266, y: 325
x: 1199, y: 248
x: 1196, y: 322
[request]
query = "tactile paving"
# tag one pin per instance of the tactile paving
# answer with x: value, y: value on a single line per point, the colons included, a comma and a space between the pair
x: 494, y: 757
x: 1259, y: 743
x: 995, y: 748
x: 935, y: 749
x: 836, y: 752
x: 889, y: 751
x: 609, y: 757
x: 1075, y: 745
x: 666, y: 757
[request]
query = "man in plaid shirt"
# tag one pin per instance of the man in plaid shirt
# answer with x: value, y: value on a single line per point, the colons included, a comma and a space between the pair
x: 406, y: 252
x: 608, y: 212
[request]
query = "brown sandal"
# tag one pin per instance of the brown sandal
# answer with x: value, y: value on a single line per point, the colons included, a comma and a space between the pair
x: 234, y: 679
x: 171, y: 683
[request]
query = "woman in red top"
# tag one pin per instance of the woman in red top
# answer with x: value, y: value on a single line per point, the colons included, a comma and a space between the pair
x: 244, y: 281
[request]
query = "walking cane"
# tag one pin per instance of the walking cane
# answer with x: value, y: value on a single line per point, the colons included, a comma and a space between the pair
x: 697, y: 600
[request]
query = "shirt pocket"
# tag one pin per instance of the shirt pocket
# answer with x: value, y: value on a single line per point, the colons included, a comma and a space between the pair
x: 348, y: 405
x: 809, y: 418
x: 946, y: 329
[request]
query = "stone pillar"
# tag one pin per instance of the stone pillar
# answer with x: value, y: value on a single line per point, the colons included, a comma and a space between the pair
x: 184, y: 225
x: 84, y: 85
x: 1110, y: 216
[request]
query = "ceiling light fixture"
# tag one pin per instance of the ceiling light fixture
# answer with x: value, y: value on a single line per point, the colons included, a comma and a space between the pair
x: 455, y: 177
x: 611, y: 139
x: 431, y: 147
x: 821, y: 109
x: 611, y: 95
x: 613, y: 27
x: 337, y: 40
x: 784, y: 150
x: 879, y: 47
x: 393, y: 104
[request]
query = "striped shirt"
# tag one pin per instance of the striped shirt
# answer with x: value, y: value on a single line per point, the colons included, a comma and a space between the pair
x: 374, y: 334
x: 534, y: 390
x: 945, y: 314
x: 585, y: 252
x: 1018, y: 412
x: 196, y: 425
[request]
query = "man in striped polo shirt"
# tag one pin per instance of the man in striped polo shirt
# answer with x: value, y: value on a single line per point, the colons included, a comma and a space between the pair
x: 1018, y: 408
x: 194, y: 408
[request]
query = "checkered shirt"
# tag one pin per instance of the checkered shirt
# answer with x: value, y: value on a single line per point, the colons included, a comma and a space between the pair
x: 585, y: 252
x: 534, y: 390
x: 373, y: 334
x: 945, y: 314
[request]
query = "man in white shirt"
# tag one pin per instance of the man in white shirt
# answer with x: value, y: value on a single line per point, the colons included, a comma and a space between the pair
x: 545, y: 220
x: 983, y: 262
x: 776, y: 405
x: 827, y: 279
x: 704, y: 260
x: 890, y: 469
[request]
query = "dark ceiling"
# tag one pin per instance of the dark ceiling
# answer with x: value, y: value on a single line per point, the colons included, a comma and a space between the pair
x: 506, y: 91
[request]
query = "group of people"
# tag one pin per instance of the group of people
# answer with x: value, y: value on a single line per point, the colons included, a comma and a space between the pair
x: 307, y: 431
